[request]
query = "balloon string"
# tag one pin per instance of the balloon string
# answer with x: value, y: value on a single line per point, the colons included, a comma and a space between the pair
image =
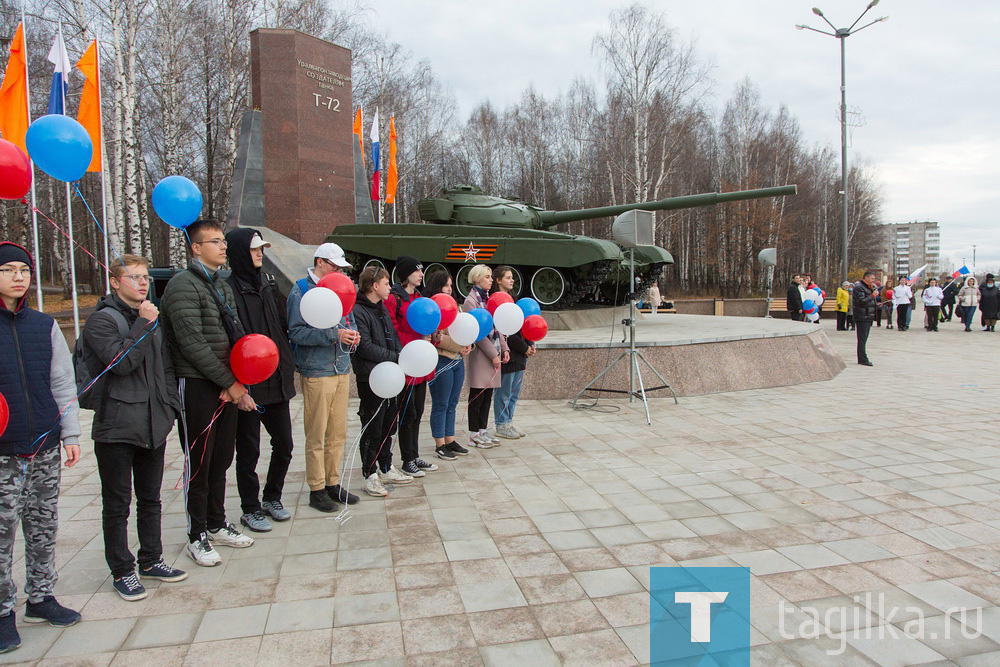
x: 76, y: 186
x: 344, y: 515
x: 114, y: 362
x: 71, y: 239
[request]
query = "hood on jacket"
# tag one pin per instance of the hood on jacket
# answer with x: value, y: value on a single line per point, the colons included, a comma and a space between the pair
x: 238, y: 254
x: 12, y: 252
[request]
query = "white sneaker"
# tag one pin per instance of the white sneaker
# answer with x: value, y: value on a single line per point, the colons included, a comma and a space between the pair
x: 519, y: 432
x: 481, y: 441
x: 491, y: 436
x: 394, y: 476
x: 373, y: 487
x: 202, y: 553
x: 506, y: 431
x: 230, y: 536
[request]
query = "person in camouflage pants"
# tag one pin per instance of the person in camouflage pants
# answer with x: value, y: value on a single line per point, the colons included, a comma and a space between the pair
x: 29, y: 493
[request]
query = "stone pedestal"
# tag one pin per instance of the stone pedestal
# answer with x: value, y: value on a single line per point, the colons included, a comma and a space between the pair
x: 302, y: 86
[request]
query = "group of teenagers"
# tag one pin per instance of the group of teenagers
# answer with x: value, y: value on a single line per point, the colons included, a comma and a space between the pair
x: 149, y: 367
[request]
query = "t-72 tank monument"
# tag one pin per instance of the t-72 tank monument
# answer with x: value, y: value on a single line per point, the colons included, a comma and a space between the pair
x: 557, y: 269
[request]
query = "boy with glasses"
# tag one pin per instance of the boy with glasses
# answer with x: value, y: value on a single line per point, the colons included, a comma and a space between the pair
x: 136, y: 406
x: 200, y: 318
x: 37, y: 381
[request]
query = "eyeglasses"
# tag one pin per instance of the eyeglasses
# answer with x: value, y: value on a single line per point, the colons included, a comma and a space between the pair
x: 10, y: 273
x: 219, y: 243
x: 138, y: 279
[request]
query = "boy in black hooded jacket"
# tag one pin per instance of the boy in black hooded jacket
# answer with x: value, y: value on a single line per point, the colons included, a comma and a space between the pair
x: 261, y: 310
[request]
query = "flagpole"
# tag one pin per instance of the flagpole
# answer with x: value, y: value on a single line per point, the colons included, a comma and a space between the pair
x: 31, y: 163
x: 69, y: 207
x: 104, y: 171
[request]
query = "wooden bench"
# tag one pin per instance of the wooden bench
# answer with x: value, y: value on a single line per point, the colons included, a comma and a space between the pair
x: 781, y: 305
x: 664, y: 308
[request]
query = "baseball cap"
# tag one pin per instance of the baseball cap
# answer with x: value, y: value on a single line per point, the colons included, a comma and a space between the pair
x: 258, y: 242
x: 332, y: 253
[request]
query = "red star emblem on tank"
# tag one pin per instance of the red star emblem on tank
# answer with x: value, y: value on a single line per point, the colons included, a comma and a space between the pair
x: 470, y: 253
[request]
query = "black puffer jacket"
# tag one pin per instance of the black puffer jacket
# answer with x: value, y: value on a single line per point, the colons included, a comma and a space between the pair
x: 989, y: 301
x: 139, y: 400
x: 863, y: 300
x: 262, y: 310
x: 518, y: 346
x: 379, y: 341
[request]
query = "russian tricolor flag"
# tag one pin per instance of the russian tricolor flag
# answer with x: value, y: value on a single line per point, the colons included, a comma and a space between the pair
x: 964, y: 271
x: 60, y: 76
x: 376, y: 177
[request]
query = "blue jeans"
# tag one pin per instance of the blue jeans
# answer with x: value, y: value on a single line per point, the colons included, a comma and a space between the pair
x: 968, y: 312
x: 505, y: 398
x: 446, y: 389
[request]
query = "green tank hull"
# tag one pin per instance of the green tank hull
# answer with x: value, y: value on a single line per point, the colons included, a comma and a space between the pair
x: 558, y: 270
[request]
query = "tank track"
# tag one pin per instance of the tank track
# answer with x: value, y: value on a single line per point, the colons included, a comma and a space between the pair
x: 582, y: 290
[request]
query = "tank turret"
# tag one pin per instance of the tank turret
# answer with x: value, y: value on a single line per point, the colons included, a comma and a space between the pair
x: 559, y: 270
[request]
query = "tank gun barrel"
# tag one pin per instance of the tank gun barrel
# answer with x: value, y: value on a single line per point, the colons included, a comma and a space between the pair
x: 550, y: 218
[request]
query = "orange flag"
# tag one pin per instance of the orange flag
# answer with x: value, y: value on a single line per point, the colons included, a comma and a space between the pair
x: 14, y: 94
x: 357, y: 131
x: 392, y: 177
x: 90, y: 102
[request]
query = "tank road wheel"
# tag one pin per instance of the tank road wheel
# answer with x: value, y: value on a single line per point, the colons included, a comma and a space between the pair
x: 461, y: 285
x: 374, y: 262
x: 518, y: 290
x: 547, y: 286
x: 431, y: 269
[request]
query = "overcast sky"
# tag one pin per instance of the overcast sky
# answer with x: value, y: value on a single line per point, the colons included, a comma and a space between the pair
x: 926, y: 82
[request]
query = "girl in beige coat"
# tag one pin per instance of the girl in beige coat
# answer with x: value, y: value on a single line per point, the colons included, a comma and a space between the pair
x: 483, y: 367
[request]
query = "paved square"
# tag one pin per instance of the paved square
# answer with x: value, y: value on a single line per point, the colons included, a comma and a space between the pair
x: 868, y: 502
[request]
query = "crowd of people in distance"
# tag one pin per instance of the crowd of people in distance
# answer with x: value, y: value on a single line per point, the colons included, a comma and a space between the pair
x: 147, y: 368
x: 868, y: 301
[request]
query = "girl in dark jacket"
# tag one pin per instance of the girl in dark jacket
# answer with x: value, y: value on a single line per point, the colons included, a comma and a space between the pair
x: 378, y: 343
x: 512, y: 372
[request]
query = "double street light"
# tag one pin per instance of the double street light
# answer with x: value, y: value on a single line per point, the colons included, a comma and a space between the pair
x: 842, y: 34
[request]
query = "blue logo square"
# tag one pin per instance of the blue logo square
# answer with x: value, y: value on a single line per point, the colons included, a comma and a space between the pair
x: 699, y: 616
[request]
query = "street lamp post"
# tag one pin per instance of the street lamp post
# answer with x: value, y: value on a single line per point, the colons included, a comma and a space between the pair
x: 842, y: 34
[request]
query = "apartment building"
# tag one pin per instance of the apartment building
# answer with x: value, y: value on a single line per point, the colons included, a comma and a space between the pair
x: 909, y: 245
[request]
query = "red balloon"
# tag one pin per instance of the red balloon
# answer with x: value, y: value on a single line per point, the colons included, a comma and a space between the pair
x: 254, y: 358
x: 342, y: 285
x: 534, y: 328
x: 449, y: 309
x: 15, y: 171
x: 496, y: 299
x: 4, y: 414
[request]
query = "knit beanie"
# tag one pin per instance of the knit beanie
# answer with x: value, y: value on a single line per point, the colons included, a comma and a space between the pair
x: 11, y: 252
x: 405, y: 265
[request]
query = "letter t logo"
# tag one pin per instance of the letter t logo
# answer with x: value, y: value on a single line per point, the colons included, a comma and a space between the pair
x: 701, y: 611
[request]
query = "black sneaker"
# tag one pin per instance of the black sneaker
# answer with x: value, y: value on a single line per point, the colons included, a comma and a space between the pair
x: 9, y: 638
x: 321, y: 500
x: 424, y: 465
x: 411, y: 469
x: 129, y: 588
x: 160, y: 570
x: 341, y: 495
x: 50, y: 611
x: 456, y: 448
x: 445, y: 453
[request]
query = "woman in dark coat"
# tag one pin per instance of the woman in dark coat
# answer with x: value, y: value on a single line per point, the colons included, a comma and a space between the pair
x: 989, y: 302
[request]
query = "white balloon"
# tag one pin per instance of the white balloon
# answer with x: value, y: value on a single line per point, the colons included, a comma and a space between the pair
x: 465, y: 329
x: 386, y: 379
x: 418, y: 358
x: 508, y: 318
x: 813, y: 294
x: 813, y: 316
x: 321, y: 308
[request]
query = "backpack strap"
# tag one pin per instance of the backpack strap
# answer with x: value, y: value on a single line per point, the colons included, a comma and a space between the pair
x: 303, y: 285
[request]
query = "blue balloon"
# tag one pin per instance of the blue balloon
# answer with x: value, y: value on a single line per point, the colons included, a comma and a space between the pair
x: 529, y: 306
x: 808, y: 305
x: 60, y: 146
x: 177, y: 201
x: 423, y: 316
x: 485, y: 322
